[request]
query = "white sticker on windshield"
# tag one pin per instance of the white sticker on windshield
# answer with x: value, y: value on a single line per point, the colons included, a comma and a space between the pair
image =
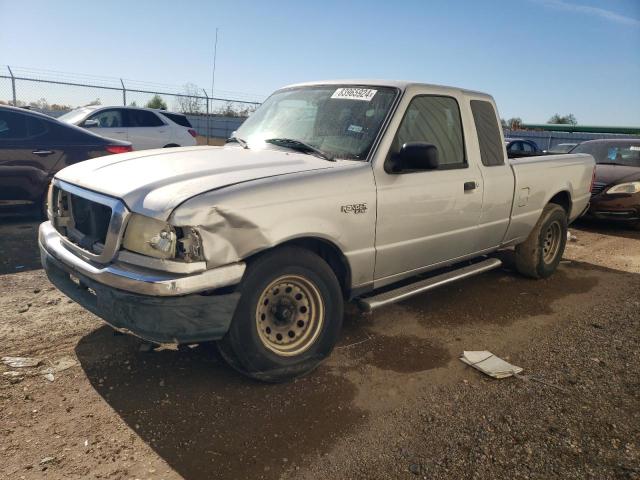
x: 634, y: 148
x: 351, y: 93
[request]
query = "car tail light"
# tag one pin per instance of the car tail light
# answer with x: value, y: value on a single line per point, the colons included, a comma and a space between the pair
x: 193, y: 133
x: 593, y: 179
x: 118, y: 148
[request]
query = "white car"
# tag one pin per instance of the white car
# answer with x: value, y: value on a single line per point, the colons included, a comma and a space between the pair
x: 144, y: 127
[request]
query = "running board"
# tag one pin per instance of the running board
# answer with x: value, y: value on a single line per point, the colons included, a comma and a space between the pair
x: 402, y: 293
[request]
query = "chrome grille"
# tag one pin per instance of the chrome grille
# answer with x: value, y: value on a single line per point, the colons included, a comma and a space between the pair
x: 91, y: 219
x: 91, y: 224
x: 597, y: 188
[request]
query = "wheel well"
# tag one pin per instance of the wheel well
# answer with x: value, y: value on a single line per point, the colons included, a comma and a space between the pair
x: 563, y: 199
x: 330, y: 253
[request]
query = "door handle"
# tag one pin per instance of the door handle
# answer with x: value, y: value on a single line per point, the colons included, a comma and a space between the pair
x: 42, y: 153
x: 468, y: 186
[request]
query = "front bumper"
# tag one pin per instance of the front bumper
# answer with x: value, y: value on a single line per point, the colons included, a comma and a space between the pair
x: 623, y: 208
x: 159, y: 307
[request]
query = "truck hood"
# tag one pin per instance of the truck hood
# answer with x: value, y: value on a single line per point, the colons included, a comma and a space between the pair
x: 154, y: 182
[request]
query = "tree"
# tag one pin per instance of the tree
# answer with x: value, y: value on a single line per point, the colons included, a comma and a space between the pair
x: 514, y: 123
x: 156, y: 102
x: 190, y: 101
x: 563, y: 119
x: 93, y: 103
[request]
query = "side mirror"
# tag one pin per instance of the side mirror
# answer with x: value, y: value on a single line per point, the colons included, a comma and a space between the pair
x: 413, y: 156
x: 91, y: 123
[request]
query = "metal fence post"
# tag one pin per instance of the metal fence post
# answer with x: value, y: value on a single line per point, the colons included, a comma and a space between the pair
x: 13, y: 86
x: 208, y: 116
x: 124, y: 94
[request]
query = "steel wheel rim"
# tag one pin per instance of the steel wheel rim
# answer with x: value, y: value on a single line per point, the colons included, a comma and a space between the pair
x: 551, y: 242
x: 289, y: 315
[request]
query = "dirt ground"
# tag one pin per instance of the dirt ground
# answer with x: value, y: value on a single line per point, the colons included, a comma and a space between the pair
x: 393, y: 400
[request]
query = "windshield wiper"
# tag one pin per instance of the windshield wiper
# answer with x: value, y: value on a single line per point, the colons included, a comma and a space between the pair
x: 300, y: 146
x: 243, y: 143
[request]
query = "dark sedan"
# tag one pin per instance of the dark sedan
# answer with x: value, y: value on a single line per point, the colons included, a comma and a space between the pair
x: 33, y: 147
x: 616, y: 188
x: 518, y: 147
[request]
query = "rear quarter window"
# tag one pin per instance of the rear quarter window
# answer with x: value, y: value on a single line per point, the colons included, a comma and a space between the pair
x: 143, y: 118
x: 179, y: 119
x: 486, y: 122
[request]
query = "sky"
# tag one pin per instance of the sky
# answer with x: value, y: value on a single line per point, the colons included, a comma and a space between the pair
x: 536, y: 57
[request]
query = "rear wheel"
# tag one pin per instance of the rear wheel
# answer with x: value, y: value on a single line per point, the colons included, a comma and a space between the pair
x: 288, y: 318
x: 171, y: 145
x: 541, y: 252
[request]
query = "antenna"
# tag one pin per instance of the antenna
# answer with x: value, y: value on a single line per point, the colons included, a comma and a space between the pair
x: 215, y: 54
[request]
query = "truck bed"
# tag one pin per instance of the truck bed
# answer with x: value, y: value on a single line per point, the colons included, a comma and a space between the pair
x: 535, y: 186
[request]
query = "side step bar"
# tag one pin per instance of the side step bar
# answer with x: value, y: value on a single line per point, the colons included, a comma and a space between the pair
x: 402, y: 293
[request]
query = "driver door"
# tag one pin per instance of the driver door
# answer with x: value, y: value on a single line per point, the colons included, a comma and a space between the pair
x: 427, y: 217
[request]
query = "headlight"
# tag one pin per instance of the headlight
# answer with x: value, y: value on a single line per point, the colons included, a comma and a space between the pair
x: 149, y: 236
x: 159, y: 239
x: 631, y: 187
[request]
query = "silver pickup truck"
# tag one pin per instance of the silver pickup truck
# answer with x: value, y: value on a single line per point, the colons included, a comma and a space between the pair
x: 329, y: 192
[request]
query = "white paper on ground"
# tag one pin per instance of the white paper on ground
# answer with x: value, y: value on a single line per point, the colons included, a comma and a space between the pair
x: 489, y: 364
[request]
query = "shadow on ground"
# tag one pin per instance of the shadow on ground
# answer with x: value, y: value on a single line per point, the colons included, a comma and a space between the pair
x: 614, y: 229
x: 18, y: 242
x: 206, y: 421
x: 203, y: 419
x: 501, y: 296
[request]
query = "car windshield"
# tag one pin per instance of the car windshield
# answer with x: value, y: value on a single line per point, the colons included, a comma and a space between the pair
x: 562, y: 148
x: 612, y: 153
x: 74, y: 116
x: 340, y: 121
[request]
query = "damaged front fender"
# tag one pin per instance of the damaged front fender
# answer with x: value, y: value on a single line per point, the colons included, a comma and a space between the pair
x: 240, y: 220
x: 227, y: 236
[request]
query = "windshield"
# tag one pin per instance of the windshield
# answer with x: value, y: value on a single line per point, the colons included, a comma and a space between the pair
x: 75, y: 116
x: 617, y: 153
x: 339, y: 120
x: 562, y: 148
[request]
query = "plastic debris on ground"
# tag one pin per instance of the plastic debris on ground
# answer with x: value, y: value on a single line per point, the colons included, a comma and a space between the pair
x: 21, y: 362
x: 489, y: 364
x: 62, y: 364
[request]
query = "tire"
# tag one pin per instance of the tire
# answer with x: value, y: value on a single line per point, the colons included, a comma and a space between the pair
x: 171, y: 145
x: 539, y: 255
x: 288, y: 317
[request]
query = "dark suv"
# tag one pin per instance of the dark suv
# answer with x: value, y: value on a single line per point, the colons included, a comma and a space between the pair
x: 33, y: 147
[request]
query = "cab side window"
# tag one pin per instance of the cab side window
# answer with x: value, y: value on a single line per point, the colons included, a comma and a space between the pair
x: 108, y: 118
x: 13, y: 126
x: 436, y: 120
x: 21, y: 126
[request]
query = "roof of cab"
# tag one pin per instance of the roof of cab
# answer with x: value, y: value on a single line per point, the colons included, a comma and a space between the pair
x: 401, y: 84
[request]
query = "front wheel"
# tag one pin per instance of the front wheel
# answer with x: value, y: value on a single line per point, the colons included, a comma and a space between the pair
x: 288, y: 318
x: 539, y: 255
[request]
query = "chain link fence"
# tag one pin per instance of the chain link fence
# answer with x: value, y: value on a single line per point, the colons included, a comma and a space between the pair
x: 55, y: 93
x: 546, y: 140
